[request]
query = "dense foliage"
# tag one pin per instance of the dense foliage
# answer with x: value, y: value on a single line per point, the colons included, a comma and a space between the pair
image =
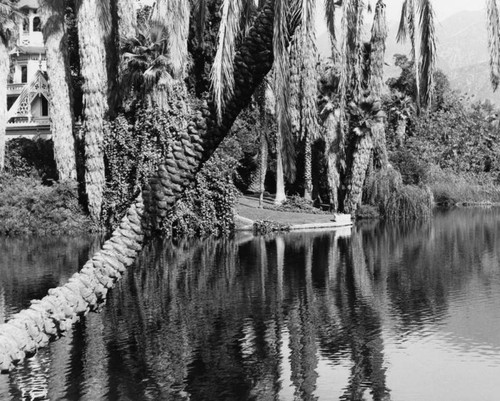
x: 29, y: 207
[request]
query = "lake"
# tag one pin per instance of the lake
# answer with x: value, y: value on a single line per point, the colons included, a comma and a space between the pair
x: 379, y: 312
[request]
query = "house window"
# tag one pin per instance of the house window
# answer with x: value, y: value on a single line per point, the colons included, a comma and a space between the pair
x: 24, y: 74
x: 37, y: 24
x: 26, y: 25
x: 10, y: 101
x: 45, y: 107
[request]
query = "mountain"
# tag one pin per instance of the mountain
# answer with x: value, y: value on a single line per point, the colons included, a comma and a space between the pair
x: 462, y: 50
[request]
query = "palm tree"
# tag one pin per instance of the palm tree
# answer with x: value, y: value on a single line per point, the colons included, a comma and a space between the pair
x: 93, y: 30
x: 61, y: 110
x: 366, y: 117
x: 305, y: 99
x: 7, y: 29
x: 146, y: 65
x: 424, y: 59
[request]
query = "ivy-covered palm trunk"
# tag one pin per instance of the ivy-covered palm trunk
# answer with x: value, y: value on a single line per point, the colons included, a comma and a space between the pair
x: 4, y: 71
x: 61, y: 110
x: 361, y: 159
x: 192, y: 147
x: 91, y: 37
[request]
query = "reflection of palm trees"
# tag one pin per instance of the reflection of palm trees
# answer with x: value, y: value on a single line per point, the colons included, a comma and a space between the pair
x: 363, y: 328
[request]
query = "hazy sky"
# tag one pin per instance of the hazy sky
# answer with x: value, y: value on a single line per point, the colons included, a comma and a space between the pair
x: 443, y: 8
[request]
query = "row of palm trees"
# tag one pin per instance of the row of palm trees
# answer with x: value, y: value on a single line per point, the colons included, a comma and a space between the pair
x: 282, y: 30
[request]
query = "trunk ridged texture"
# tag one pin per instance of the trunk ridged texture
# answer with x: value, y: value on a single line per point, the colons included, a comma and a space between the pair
x: 332, y: 144
x: 61, y: 110
x: 362, y: 156
x: 4, y: 71
x: 280, y: 176
x: 308, y: 186
x: 91, y: 36
x: 258, y: 177
x: 191, y: 149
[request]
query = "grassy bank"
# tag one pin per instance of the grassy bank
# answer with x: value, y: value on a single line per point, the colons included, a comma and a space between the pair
x: 28, y: 207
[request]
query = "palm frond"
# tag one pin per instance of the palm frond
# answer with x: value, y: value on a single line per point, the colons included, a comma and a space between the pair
x: 402, y: 29
x: 427, y: 50
x: 222, y: 74
x: 494, y: 42
x: 377, y: 54
x: 282, y: 75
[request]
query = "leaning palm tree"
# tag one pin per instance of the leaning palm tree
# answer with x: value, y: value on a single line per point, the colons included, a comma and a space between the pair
x: 61, y: 110
x: 7, y: 29
x: 417, y: 19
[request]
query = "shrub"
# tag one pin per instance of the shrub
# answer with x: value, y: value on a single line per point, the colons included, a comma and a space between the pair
x: 367, y: 212
x: 28, y: 207
x: 266, y: 227
x: 380, y: 186
x: 25, y: 157
x: 409, y: 203
x: 450, y: 188
x: 296, y: 204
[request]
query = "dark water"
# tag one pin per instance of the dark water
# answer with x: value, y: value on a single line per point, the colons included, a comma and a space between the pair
x: 379, y: 313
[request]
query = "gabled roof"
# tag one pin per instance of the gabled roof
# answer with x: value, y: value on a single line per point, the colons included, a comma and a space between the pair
x: 28, y: 4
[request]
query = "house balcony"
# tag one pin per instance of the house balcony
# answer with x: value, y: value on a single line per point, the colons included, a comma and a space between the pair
x: 15, y: 89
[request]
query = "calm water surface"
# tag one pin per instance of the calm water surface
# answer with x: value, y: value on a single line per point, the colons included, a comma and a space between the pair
x: 376, y: 313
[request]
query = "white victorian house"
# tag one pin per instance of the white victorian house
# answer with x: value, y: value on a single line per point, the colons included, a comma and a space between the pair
x: 27, y: 90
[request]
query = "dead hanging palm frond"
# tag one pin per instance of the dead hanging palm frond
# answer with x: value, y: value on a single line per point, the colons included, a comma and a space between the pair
x: 407, y: 28
x: 494, y: 42
x: 174, y: 15
x: 330, y: 23
x: 309, y: 74
x: 427, y: 50
x: 222, y: 74
x: 350, y: 65
x: 281, y: 84
x: 377, y: 54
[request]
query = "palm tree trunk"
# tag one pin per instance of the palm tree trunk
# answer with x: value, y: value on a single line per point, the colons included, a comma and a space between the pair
x: 308, y: 186
x: 332, y: 150
x: 380, y: 156
x: 61, y: 110
x: 4, y: 71
x: 280, y: 176
x: 91, y: 36
x: 401, y: 130
x: 362, y: 155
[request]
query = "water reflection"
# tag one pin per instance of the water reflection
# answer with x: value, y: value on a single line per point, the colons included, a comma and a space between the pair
x: 401, y: 313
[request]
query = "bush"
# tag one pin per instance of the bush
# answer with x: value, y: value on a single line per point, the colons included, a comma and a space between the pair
x: 28, y: 207
x: 25, y: 157
x: 367, y: 212
x: 450, y: 188
x: 296, y: 204
x: 409, y: 203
